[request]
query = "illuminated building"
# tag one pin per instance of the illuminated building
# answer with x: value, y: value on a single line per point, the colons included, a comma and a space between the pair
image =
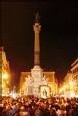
x: 37, y: 82
x: 4, y: 74
x: 74, y: 70
x: 69, y: 87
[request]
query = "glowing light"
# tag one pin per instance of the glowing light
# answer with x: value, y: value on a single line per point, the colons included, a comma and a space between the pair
x: 76, y: 96
x: 5, y: 75
x: 13, y: 94
x: 72, y: 95
x: 71, y: 83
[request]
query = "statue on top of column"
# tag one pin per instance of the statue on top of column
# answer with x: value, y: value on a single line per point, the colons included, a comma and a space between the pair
x: 37, y: 17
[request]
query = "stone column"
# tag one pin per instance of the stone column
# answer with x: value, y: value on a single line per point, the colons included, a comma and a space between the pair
x: 37, y: 28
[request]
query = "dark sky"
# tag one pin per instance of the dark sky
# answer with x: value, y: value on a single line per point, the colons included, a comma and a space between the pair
x: 58, y: 37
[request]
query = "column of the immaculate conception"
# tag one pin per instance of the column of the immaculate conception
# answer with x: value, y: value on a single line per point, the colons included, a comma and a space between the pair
x: 37, y: 28
x: 36, y: 72
x: 38, y: 83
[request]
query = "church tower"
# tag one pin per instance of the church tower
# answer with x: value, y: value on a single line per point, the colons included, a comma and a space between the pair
x: 37, y: 28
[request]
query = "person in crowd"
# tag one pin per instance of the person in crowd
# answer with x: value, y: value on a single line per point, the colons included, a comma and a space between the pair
x: 45, y: 111
x: 38, y: 111
x: 53, y: 111
x: 26, y: 106
x: 24, y: 111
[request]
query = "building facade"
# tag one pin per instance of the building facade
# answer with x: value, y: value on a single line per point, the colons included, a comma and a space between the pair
x: 69, y: 87
x: 4, y: 74
x: 37, y: 82
x: 74, y: 70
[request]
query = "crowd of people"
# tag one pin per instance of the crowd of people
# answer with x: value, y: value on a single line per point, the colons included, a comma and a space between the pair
x: 31, y: 106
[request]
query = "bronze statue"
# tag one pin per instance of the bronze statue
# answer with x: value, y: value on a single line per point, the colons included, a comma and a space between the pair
x: 37, y: 17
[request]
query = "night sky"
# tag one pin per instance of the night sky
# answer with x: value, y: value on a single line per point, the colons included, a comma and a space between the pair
x: 58, y: 36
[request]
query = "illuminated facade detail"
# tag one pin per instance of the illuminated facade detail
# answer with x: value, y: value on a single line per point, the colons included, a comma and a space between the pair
x: 4, y: 74
x: 22, y: 87
x: 37, y: 82
x: 74, y: 70
x: 69, y: 87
